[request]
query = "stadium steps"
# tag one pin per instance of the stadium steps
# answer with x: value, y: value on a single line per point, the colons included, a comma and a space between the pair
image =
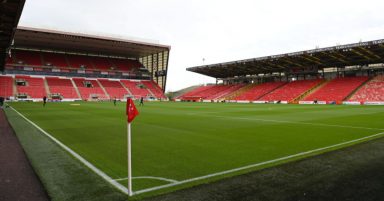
x: 260, y: 98
x: 150, y: 91
x: 102, y: 88
x: 357, y: 89
x: 126, y: 88
x: 75, y: 86
x: 310, y: 91
x: 240, y: 91
x: 337, y: 89
x: 157, y: 91
x: 46, y: 87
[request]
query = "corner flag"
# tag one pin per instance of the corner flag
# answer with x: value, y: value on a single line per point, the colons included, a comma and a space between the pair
x: 131, y: 114
x: 131, y: 110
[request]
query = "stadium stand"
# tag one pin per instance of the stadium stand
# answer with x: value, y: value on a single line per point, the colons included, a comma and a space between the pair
x: 114, y: 88
x: 62, y: 86
x: 6, y: 86
x: 257, y: 91
x: 337, y: 89
x: 33, y: 88
x: 53, y: 55
x: 89, y: 89
x: 137, y: 88
x: 27, y: 58
x: 291, y: 90
x: 373, y: 90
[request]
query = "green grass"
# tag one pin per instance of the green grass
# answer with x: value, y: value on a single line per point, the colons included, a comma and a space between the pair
x: 181, y: 141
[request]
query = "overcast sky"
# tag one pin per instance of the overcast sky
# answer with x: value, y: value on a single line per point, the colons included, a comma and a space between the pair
x: 217, y: 30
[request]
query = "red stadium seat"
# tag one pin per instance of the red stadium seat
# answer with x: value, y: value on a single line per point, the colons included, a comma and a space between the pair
x: 125, y: 64
x: 54, y: 59
x: 62, y: 86
x: 114, y: 88
x: 136, y: 88
x: 34, y: 87
x: 101, y: 63
x: 27, y: 58
x: 211, y: 92
x: 371, y: 91
x: 291, y: 90
x: 155, y: 89
x: 258, y: 91
x: 79, y: 61
x: 6, y: 86
x: 337, y: 89
x: 88, y: 92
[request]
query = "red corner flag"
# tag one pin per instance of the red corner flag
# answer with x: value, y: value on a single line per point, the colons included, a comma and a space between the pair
x: 131, y: 110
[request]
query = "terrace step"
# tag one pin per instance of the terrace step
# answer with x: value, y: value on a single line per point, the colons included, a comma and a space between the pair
x: 102, y: 88
x: 242, y: 90
x: 149, y: 90
x: 310, y: 91
x: 46, y: 87
x: 260, y: 98
x: 129, y: 91
x: 75, y: 86
x: 357, y: 89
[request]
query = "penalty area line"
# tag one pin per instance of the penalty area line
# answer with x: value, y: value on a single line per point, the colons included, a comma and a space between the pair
x: 257, y: 164
x: 77, y: 156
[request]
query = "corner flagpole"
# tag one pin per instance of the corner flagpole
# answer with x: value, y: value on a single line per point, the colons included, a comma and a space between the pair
x: 131, y: 114
x: 130, y: 193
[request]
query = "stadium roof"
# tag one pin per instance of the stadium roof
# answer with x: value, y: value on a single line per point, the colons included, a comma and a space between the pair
x: 9, y: 18
x: 36, y: 38
x: 363, y: 53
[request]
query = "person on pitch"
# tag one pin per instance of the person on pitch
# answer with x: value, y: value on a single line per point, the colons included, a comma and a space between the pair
x: 141, y: 101
x: 44, y: 101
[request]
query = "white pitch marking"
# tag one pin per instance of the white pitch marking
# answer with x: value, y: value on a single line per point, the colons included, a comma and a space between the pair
x: 296, y: 122
x: 77, y: 156
x: 149, y: 177
x: 255, y: 165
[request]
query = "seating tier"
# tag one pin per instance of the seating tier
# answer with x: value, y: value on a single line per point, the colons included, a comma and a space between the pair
x: 371, y: 91
x: 337, y: 89
x: 6, y: 86
x: 258, y: 91
x: 34, y: 87
x: 62, y: 86
x: 291, y: 90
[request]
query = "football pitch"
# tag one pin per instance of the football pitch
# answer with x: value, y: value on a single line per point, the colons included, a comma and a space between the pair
x: 176, y: 145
